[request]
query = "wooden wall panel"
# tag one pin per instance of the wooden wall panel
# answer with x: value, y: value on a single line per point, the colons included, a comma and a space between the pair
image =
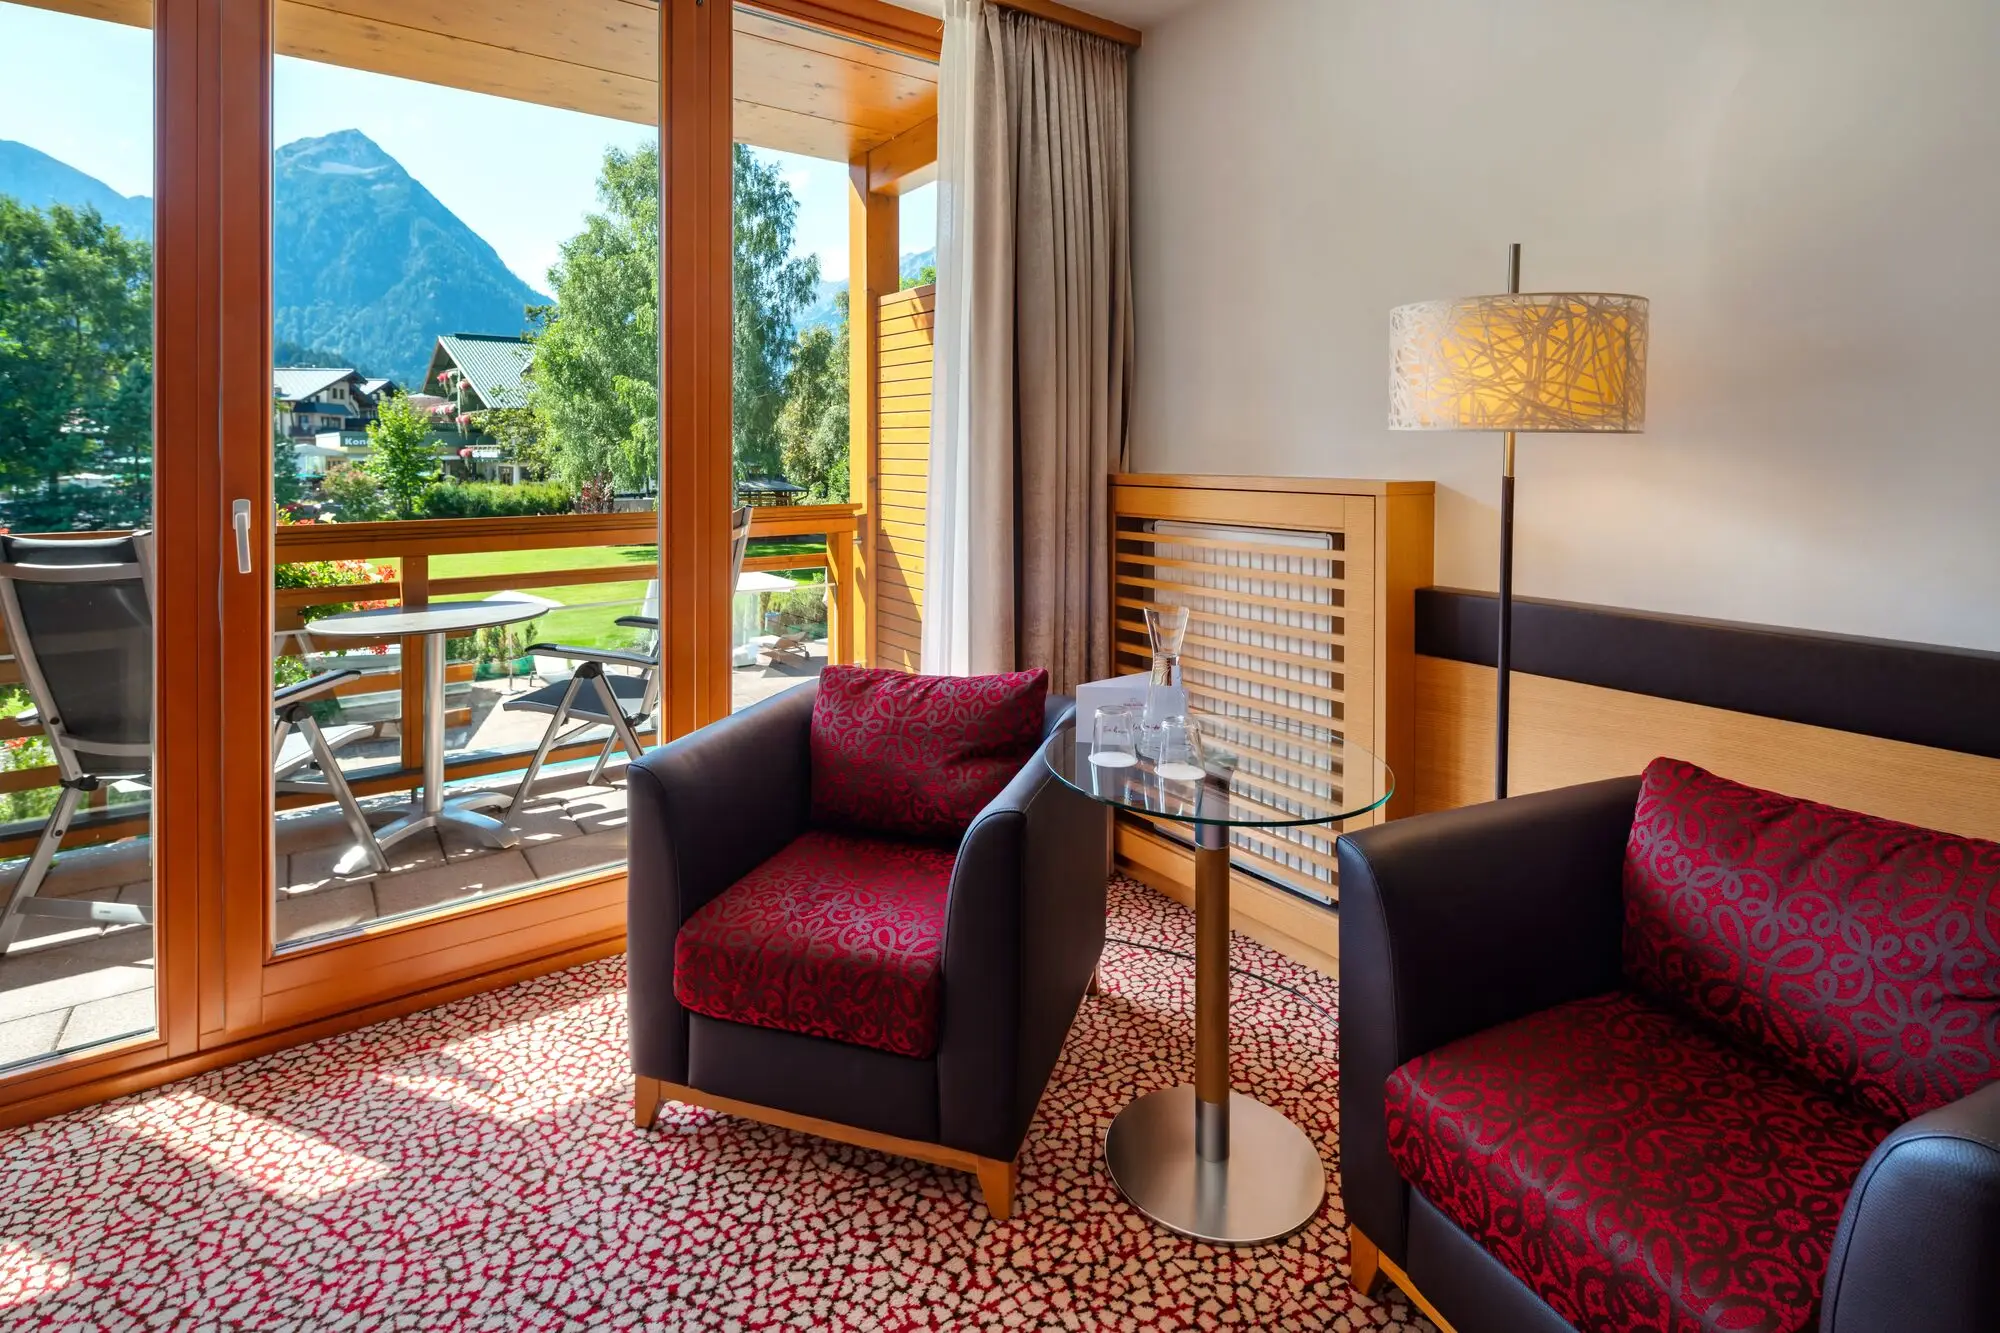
x: 1565, y: 733
x: 904, y: 474
x: 799, y: 88
x: 892, y: 30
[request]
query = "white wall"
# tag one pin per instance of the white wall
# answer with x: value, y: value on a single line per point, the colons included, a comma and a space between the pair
x: 1808, y: 190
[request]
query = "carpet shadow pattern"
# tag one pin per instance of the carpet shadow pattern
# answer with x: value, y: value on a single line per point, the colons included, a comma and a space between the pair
x: 475, y: 1166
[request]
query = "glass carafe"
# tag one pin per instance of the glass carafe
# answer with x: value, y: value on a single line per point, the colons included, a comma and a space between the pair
x: 1166, y: 696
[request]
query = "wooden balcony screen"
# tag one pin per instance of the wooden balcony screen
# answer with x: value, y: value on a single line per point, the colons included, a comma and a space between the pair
x: 905, y: 321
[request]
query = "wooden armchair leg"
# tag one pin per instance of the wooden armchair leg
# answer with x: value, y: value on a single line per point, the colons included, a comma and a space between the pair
x: 996, y: 1186
x: 647, y: 1094
x: 1364, y: 1261
x: 1096, y: 986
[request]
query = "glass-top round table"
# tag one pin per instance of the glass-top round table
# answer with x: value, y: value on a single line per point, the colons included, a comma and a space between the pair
x: 1205, y: 1161
x: 435, y: 623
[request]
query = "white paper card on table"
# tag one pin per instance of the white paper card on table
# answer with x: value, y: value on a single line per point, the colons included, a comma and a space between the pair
x: 1095, y: 694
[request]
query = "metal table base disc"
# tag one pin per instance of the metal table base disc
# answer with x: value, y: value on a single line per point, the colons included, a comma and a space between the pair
x: 1271, y: 1184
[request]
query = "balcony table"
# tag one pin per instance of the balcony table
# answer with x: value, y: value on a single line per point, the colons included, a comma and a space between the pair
x: 1204, y: 1161
x: 436, y: 623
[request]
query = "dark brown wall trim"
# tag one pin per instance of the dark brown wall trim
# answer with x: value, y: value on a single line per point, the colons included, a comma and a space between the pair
x: 1948, y: 698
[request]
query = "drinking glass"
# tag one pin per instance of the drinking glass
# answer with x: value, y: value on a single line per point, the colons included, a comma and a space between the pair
x: 1115, y: 742
x: 1176, y: 749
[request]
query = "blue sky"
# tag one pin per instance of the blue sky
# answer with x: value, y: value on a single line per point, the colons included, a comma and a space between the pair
x: 81, y: 90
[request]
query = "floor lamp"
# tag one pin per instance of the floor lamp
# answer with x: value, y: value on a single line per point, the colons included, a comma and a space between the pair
x: 1522, y: 361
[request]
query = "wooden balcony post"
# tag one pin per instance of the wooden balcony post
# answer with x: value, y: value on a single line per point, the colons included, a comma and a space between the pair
x: 872, y: 242
x: 840, y: 620
x: 416, y: 582
x: 695, y: 465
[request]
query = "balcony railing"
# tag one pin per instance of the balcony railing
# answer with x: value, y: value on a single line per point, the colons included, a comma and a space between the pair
x: 412, y: 547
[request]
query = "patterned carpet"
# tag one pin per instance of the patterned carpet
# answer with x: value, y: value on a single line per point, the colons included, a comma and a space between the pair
x: 475, y: 1166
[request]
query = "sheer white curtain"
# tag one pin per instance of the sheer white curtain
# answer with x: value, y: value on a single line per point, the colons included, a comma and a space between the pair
x: 1033, y: 345
x: 947, y: 620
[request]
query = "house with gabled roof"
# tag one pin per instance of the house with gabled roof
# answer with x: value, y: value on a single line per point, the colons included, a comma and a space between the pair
x: 323, y: 412
x: 312, y: 399
x: 481, y: 372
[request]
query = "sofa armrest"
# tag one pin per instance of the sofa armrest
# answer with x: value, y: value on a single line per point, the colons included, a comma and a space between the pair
x: 1024, y: 928
x: 704, y: 811
x: 1455, y: 922
x: 1918, y: 1241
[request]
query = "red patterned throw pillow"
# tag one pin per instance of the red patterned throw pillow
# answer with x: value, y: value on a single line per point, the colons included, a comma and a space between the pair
x: 918, y: 756
x: 1861, y: 953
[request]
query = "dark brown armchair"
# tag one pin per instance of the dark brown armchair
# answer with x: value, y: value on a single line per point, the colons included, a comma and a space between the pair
x: 1673, y: 1052
x: 931, y: 1039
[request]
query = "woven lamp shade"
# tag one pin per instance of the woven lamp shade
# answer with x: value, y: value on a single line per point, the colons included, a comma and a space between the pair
x: 1531, y: 361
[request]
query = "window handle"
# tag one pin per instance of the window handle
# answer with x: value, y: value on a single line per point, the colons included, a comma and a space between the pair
x: 240, y: 516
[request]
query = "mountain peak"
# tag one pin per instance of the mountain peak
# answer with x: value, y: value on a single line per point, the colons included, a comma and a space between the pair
x: 38, y: 180
x: 367, y: 260
x: 342, y: 150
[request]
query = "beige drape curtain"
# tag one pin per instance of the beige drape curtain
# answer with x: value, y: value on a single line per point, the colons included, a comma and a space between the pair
x: 1032, y: 417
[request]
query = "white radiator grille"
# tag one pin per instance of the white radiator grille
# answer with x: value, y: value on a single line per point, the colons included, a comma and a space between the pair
x: 1265, y: 648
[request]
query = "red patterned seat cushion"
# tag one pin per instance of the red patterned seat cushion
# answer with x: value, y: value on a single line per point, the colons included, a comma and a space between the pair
x: 1634, y: 1170
x: 836, y: 936
x: 1861, y: 953
x: 918, y: 755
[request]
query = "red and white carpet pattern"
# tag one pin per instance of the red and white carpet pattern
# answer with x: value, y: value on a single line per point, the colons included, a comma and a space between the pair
x: 475, y: 1166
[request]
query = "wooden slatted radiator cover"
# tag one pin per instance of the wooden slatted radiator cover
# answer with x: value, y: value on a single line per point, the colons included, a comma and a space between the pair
x: 1300, y: 593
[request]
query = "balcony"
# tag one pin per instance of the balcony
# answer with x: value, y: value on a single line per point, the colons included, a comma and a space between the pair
x: 64, y: 983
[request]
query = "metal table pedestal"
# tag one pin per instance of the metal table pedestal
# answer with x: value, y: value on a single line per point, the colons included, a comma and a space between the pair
x: 432, y: 809
x: 1204, y: 1161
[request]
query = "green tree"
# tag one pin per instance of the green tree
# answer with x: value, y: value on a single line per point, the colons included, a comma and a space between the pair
x: 76, y: 366
x: 516, y: 433
x: 812, y: 425
x: 401, y: 455
x: 594, y: 383
x: 924, y: 277
x: 353, y: 492
x: 771, y: 290
x: 286, y: 486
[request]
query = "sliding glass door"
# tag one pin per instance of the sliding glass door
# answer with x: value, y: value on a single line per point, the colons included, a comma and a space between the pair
x: 108, y: 557
x: 380, y: 384
x: 464, y: 463
x: 76, y: 501
x: 447, y: 647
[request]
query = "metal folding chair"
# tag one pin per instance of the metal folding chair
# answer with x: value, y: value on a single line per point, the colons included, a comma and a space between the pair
x: 593, y: 697
x: 299, y: 744
x: 79, y: 615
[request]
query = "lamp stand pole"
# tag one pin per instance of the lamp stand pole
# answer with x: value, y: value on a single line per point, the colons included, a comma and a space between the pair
x: 1503, y: 660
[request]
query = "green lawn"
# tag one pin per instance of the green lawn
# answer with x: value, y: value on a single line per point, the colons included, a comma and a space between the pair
x: 580, y: 622
x: 595, y: 557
